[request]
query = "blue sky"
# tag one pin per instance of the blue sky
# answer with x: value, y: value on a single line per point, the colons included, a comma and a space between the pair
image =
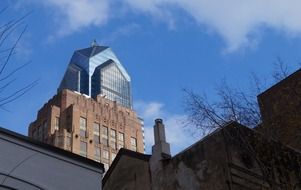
x: 165, y: 45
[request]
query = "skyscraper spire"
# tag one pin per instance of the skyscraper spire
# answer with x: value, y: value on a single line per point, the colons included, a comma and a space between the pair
x: 96, y: 70
x: 94, y: 43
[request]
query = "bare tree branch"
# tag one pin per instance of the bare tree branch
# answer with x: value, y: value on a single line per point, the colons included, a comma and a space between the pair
x: 281, y: 70
x: 232, y: 105
x: 8, y: 46
x: 11, y: 51
x: 17, y: 94
x: 14, y: 71
x: 2, y: 88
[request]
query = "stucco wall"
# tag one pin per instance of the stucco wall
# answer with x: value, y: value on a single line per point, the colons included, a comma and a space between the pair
x: 202, y: 166
x: 259, y: 163
x: 234, y: 158
x: 129, y: 174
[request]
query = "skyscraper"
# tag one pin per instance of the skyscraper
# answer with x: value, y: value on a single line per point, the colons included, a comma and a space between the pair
x: 96, y: 70
x: 91, y: 115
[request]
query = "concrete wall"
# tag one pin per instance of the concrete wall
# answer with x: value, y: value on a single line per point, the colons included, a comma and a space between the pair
x: 234, y: 158
x: 129, y: 174
x: 255, y: 162
x: 201, y: 166
x: 231, y: 158
x: 28, y: 167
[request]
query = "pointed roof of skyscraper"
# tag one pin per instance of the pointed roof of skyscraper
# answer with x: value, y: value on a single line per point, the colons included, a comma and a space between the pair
x: 93, y: 50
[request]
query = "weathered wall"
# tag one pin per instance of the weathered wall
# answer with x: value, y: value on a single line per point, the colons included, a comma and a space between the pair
x: 202, y: 166
x: 234, y: 158
x: 231, y: 158
x: 280, y: 108
x: 129, y: 174
x: 258, y: 163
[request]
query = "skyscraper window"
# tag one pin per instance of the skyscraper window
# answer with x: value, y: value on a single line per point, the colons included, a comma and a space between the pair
x: 105, y: 137
x: 105, y: 156
x: 96, y: 129
x: 113, y: 139
x: 97, y: 154
x: 133, y: 144
x: 97, y: 71
x: 120, y: 140
x: 56, y: 123
x: 82, y: 127
x: 92, y: 113
x: 83, y: 149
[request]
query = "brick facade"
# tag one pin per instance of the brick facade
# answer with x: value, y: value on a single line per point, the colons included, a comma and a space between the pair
x: 58, y: 123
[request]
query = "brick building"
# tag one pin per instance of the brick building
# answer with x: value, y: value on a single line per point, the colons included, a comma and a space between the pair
x: 91, y: 115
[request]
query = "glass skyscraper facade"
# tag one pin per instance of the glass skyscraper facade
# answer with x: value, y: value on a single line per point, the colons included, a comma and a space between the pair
x: 96, y: 70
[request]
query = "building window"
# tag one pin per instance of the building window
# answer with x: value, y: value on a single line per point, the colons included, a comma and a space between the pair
x: 83, y: 148
x: 120, y: 140
x: 68, y: 143
x: 113, y: 139
x: 105, y: 155
x: 117, y: 87
x: 82, y: 127
x: 105, y: 136
x: 97, y: 153
x: 133, y: 144
x: 56, y: 123
x: 113, y: 156
x: 96, y: 131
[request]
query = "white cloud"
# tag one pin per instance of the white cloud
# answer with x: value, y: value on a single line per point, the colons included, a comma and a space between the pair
x: 236, y: 21
x: 176, y: 135
x: 156, y: 8
x: 149, y: 109
x: 121, y: 32
x: 75, y: 15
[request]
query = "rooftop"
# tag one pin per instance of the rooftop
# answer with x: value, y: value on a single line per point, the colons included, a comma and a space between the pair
x: 91, y: 51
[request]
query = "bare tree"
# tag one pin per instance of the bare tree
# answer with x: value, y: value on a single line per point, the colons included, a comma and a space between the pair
x: 281, y: 70
x: 11, y: 32
x: 232, y: 104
